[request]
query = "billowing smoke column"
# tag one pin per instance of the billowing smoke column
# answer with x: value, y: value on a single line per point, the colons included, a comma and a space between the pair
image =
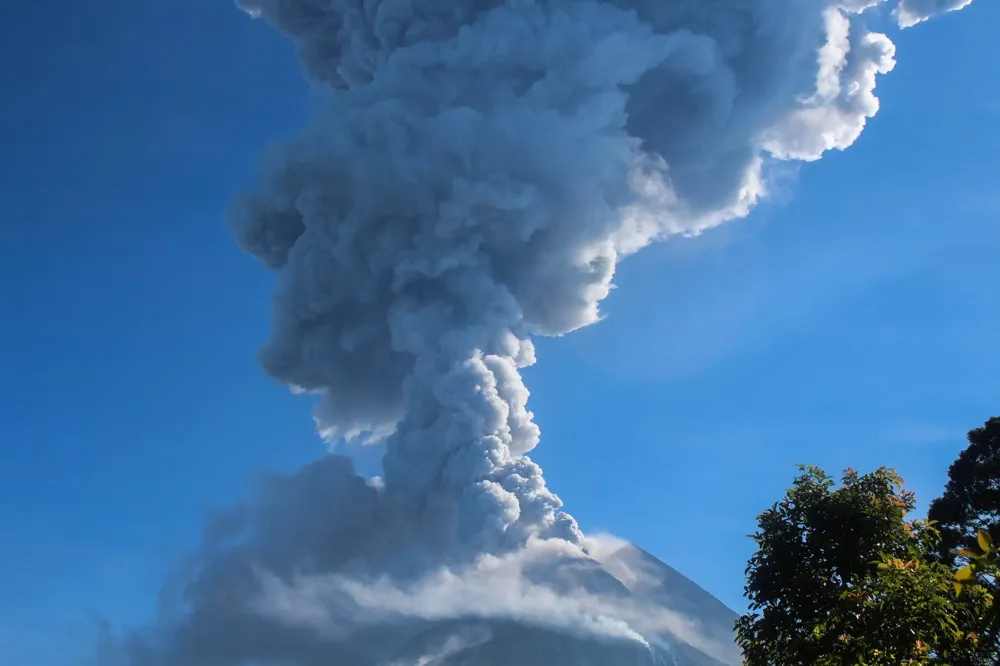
x: 479, y: 169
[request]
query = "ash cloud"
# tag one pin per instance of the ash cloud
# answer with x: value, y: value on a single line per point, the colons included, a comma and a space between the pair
x: 478, y: 171
x: 494, y: 587
x: 299, y: 576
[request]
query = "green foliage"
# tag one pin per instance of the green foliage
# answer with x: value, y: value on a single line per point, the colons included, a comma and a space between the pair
x: 968, y: 516
x: 841, y: 578
x: 982, y: 566
x: 971, y: 500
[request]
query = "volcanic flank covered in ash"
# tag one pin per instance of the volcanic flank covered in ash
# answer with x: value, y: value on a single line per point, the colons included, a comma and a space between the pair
x: 476, y: 174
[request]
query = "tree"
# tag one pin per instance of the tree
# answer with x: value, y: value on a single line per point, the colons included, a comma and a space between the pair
x: 971, y: 499
x: 980, y: 572
x: 968, y: 516
x: 983, y: 563
x: 841, y: 577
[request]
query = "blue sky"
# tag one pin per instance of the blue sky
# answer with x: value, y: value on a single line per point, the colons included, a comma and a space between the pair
x: 850, y: 321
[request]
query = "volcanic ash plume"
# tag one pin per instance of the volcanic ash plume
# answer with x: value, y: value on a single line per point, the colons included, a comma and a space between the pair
x: 479, y: 169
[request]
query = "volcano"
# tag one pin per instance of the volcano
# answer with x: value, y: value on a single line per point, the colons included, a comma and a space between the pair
x: 627, y: 574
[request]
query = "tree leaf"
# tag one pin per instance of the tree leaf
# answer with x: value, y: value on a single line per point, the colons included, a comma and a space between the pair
x: 985, y: 541
x: 966, y: 573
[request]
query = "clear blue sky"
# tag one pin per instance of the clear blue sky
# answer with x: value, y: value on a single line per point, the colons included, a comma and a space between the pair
x: 852, y: 321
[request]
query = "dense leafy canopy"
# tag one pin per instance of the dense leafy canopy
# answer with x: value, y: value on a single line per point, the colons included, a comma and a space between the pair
x: 971, y: 500
x: 841, y: 577
x: 968, y: 516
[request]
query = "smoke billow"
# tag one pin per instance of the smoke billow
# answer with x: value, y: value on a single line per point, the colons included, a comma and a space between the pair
x: 478, y: 170
x: 494, y: 588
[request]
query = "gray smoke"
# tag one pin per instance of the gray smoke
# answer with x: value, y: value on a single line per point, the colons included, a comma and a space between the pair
x: 476, y: 174
x: 474, y: 180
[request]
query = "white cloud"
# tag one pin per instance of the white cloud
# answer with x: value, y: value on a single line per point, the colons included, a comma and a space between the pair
x: 911, y: 12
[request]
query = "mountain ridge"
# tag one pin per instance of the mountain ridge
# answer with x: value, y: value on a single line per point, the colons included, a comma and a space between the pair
x: 703, y: 634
